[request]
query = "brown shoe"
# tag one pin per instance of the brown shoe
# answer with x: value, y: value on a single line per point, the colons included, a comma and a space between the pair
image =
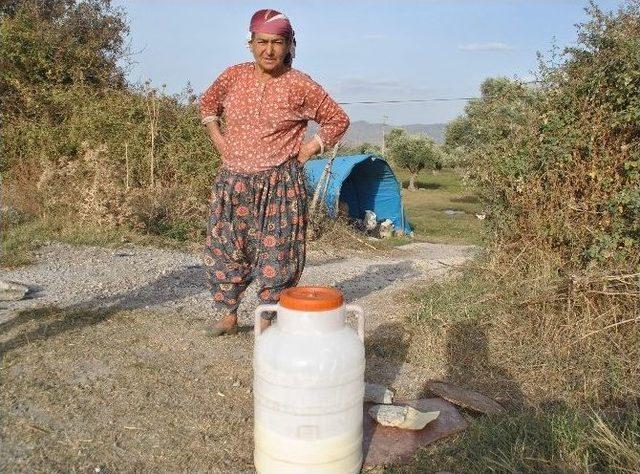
x: 222, y: 327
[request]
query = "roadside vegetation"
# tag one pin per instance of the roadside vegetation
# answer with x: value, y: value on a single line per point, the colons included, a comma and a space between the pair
x: 547, y: 320
x: 83, y: 152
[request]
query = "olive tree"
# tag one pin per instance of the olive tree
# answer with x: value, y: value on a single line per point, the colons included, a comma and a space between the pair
x: 413, y: 153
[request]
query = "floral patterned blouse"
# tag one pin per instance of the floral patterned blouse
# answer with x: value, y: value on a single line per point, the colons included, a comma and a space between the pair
x: 265, y: 121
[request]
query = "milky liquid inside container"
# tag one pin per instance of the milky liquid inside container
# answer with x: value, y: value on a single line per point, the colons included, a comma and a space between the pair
x: 309, y: 385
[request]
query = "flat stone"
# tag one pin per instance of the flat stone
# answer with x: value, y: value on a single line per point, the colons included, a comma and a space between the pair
x: 386, y: 445
x: 402, y: 416
x: 465, y: 398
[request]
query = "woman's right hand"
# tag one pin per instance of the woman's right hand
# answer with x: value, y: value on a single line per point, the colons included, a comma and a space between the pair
x: 221, y: 146
x: 217, y: 138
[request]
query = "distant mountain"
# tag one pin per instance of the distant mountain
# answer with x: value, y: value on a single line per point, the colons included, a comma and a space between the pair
x: 361, y: 131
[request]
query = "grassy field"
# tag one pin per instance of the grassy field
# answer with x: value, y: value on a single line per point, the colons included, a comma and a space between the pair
x: 558, y: 440
x: 439, y: 192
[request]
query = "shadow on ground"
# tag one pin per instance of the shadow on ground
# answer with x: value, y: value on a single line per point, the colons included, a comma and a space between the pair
x: 469, y: 365
x: 375, y: 278
x: 53, y: 321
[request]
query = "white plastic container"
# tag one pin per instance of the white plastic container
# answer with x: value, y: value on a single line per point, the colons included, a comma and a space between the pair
x: 308, y: 385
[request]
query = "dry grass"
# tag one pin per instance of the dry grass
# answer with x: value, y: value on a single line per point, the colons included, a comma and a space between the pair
x: 571, y: 338
x: 122, y: 391
x: 334, y: 236
x: 559, y: 352
x: 556, y: 440
x: 569, y: 410
x: 20, y: 242
x: 623, y: 448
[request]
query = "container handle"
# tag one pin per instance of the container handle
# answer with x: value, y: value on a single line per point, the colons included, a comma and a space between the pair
x: 263, y: 308
x: 354, y: 308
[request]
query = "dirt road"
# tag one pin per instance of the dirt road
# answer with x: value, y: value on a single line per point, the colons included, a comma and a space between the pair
x: 104, y: 367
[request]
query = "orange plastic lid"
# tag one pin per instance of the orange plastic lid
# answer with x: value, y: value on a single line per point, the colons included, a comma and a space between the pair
x: 311, y: 298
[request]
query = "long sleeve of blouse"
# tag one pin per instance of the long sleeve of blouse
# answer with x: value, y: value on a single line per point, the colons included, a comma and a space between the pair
x: 211, y: 101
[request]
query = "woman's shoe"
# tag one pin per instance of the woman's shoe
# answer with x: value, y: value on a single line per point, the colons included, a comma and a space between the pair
x: 216, y: 329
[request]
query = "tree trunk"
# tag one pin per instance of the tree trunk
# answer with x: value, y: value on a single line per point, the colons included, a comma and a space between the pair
x: 412, y: 180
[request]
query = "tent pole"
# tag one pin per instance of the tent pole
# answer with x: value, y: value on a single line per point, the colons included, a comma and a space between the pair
x: 323, y: 182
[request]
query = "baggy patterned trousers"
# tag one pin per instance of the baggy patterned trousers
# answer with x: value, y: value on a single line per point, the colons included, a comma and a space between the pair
x: 256, y: 230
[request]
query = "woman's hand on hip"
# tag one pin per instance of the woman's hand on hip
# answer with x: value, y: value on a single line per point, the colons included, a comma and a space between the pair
x: 307, y: 150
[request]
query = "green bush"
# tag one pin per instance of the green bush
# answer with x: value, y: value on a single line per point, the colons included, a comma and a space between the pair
x: 558, y: 163
x: 78, y: 142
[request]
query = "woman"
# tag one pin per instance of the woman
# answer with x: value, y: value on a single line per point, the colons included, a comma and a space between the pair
x: 257, y: 222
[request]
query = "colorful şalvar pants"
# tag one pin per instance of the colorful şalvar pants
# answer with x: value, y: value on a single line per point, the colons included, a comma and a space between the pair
x: 256, y: 230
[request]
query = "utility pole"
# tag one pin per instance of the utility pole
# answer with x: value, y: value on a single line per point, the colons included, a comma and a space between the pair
x: 384, y: 124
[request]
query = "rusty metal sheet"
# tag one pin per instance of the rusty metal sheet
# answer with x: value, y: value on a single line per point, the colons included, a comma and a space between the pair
x: 465, y: 398
x: 385, y: 445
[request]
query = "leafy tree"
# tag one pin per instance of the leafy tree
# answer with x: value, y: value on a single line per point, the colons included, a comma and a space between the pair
x: 503, y: 108
x: 47, y: 45
x: 393, y: 136
x: 413, y: 153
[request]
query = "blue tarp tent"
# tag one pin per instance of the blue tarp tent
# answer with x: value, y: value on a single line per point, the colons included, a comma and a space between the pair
x: 364, y: 182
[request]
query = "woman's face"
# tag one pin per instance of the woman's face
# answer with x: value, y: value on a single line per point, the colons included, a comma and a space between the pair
x: 269, y: 51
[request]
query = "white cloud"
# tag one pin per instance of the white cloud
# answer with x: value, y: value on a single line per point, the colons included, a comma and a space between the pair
x: 496, y: 46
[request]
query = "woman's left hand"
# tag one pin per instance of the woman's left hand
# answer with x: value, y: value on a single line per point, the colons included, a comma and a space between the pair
x: 307, y: 150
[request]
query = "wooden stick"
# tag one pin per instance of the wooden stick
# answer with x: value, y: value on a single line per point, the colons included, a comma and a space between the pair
x: 126, y: 163
x: 323, y: 182
x: 361, y: 241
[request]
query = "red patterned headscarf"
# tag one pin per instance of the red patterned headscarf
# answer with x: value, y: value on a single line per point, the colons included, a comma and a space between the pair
x: 273, y: 22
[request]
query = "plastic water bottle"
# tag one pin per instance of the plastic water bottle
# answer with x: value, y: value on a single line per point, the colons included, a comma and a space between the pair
x: 309, y: 385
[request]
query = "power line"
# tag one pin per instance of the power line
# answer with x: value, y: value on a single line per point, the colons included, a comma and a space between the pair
x: 407, y: 101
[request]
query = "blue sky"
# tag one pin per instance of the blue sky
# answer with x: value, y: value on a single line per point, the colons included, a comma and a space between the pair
x: 360, y: 50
